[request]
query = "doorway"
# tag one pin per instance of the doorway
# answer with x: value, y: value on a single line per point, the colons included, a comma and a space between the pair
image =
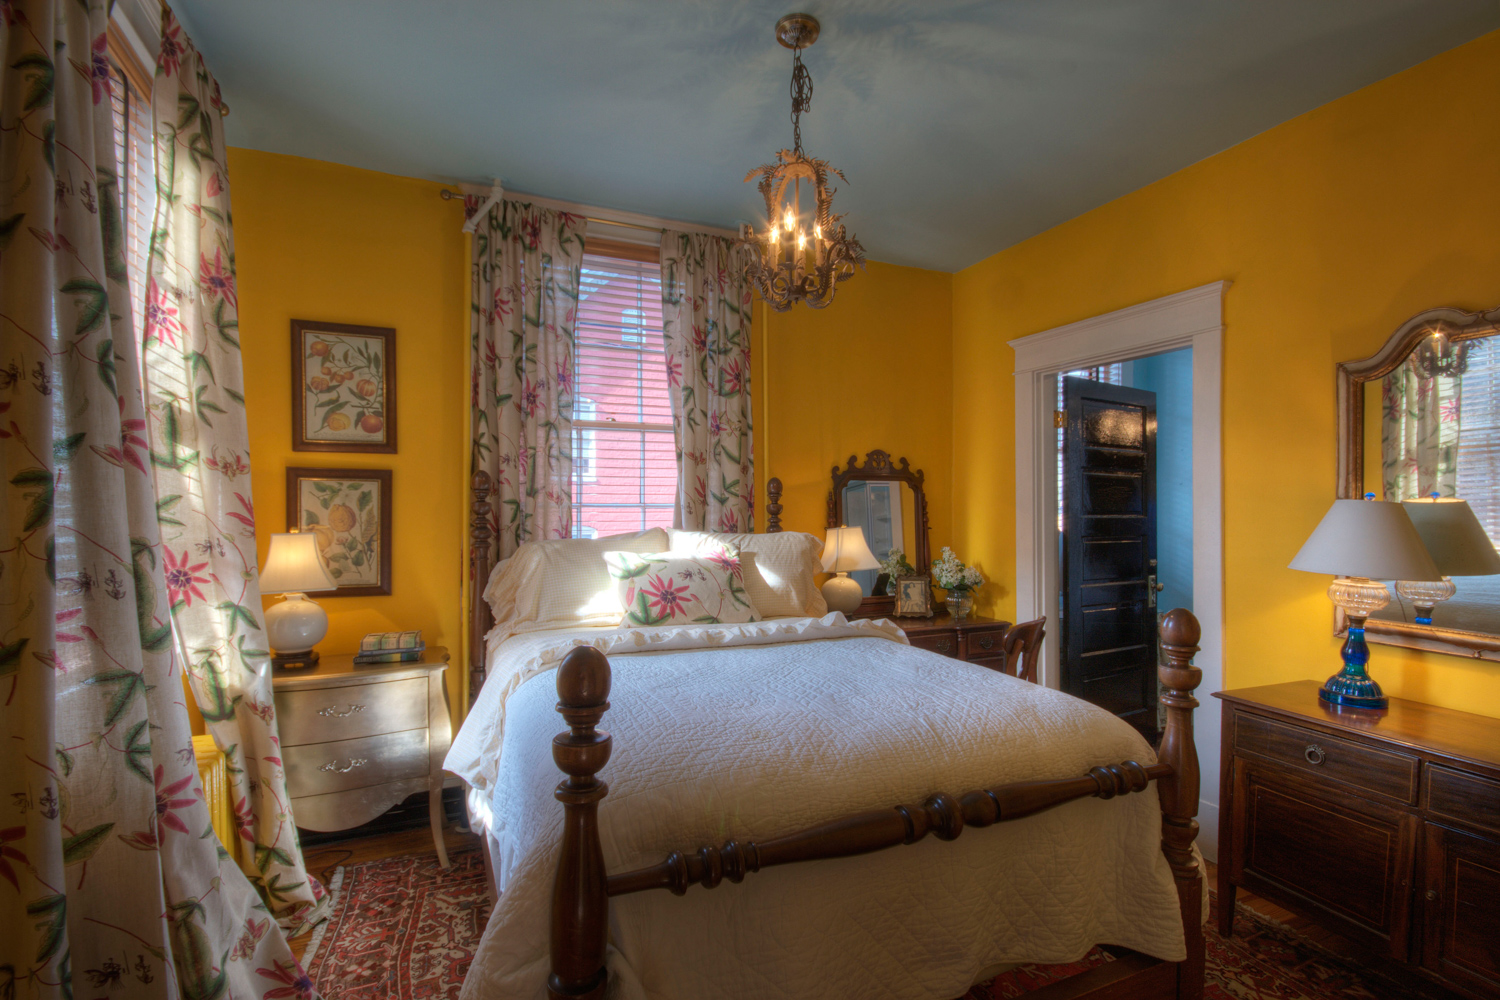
x: 1193, y: 318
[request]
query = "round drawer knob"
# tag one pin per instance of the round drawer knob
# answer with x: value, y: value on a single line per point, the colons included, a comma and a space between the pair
x: 1431, y: 895
x: 986, y: 642
x: 1314, y: 754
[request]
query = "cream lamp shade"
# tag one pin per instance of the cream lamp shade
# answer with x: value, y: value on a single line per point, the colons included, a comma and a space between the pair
x: 1367, y: 538
x: 1453, y: 536
x: 846, y: 550
x: 293, y: 566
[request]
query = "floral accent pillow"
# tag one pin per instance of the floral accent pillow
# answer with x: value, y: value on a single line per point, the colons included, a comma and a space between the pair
x: 707, y: 588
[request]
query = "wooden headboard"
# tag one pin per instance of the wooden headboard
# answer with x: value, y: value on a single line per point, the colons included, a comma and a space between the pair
x: 482, y: 561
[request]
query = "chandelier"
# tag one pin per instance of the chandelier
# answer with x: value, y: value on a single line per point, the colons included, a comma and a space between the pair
x: 1438, y: 355
x: 801, y: 256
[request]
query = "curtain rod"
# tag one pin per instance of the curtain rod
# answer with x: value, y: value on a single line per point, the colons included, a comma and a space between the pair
x: 447, y: 195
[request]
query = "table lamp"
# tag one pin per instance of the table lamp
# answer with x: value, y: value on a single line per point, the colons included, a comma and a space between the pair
x: 295, y: 625
x: 1458, y: 545
x: 845, y: 550
x: 1362, y: 542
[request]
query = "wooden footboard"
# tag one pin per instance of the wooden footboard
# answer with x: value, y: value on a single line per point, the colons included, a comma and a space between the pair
x: 580, y: 899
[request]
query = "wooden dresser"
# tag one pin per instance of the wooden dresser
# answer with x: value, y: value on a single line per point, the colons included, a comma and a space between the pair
x: 1385, y: 826
x: 974, y: 640
x: 357, y: 740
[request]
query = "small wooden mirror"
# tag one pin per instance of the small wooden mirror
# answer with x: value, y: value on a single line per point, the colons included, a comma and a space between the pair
x: 1422, y: 416
x: 886, y: 499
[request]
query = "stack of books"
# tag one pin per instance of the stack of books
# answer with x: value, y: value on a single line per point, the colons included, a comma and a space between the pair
x: 390, y: 647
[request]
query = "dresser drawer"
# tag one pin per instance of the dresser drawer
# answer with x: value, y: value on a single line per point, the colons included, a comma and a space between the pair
x: 326, y: 715
x: 942, y: 642
x: 1464, y: 798
x: 988, y: 642
x: 1377, y: 771
x: 316, y: 768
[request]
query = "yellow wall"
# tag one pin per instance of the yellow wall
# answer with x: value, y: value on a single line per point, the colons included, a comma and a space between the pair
x: 320, y: 241
x: 871, y: 370
x: 1334, y: 228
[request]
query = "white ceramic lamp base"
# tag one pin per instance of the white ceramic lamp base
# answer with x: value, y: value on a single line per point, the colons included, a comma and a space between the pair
x: 294, y: 627
x: 843, y: 593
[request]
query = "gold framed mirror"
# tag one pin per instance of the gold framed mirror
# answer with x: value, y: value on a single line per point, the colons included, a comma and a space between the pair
x: 1422, y: 417
x: 887, y: 501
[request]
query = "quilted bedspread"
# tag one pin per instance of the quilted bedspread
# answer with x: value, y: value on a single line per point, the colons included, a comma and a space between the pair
x: 753, y: 731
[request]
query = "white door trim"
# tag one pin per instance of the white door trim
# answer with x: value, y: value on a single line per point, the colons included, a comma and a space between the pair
x: 1194, y: 318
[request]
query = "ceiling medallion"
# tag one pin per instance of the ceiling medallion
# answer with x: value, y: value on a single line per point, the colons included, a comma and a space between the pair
x: 801, y: 257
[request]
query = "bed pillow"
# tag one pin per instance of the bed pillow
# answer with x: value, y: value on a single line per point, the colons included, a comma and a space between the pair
x: 563, y: 582
x: 665, y: 589
x: 779, y: 569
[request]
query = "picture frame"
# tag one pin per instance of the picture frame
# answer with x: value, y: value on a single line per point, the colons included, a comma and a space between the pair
x: 350, y: 512
x: 913, y: 597
x: 343, y: 387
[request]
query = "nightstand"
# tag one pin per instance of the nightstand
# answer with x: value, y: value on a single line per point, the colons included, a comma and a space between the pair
x: 976, y: 639
x: 356, y: 740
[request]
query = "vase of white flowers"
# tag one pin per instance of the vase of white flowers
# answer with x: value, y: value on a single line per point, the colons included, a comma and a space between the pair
x: 959, y: 581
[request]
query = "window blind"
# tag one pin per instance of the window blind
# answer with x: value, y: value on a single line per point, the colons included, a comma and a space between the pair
x: 1110, y: 374
x: 135, y: 166
x: 1479, y: 434
x: 624, y: 455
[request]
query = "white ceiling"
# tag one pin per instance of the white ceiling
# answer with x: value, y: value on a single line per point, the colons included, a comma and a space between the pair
x: 963, y: 127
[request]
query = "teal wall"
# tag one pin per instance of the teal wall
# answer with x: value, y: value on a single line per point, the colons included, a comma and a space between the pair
x: 1170, y: 376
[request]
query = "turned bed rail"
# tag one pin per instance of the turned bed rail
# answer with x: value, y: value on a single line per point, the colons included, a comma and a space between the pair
x: 581, y: 892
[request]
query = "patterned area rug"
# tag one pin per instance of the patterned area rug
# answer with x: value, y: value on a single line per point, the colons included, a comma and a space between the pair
x: 404, y: 929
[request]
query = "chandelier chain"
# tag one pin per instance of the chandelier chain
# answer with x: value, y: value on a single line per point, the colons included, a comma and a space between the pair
x: 802, y: 90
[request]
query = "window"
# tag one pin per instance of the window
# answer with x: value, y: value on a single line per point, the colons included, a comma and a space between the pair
x: 624, y: 454
x: 1111, y: 374
x: 135, y: 163
x: 1479, y: 434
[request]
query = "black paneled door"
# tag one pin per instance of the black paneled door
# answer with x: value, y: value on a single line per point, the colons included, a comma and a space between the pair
x: 1109, y: 549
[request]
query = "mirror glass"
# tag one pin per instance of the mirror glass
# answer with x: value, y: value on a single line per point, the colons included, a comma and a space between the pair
x: 886, y: 510
x: 1432, y: 426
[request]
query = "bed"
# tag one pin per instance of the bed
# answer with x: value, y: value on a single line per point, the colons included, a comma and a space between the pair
x: 755, y: 769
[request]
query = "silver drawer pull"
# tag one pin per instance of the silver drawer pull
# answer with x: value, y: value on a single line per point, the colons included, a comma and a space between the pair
x: 986, y: 642
x: 333, y: 765
x: 332, y: 712
x: 1314, y: 754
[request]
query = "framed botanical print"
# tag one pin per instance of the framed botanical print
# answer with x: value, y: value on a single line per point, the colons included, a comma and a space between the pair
x: 349, y: 510
x: 343, y: 387
x: 913, y: 597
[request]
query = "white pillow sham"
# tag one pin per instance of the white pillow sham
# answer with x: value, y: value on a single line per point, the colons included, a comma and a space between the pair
x: 563, y: 583
x: 779, y: 569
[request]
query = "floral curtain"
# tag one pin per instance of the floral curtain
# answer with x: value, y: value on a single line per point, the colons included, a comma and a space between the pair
x: 527, y: 265
x: 199, y: 453
x: 111, y: 878
x: 1419, y: 433
x: 706, y: 319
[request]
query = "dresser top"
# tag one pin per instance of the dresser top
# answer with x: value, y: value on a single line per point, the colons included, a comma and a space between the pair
x: 1408, y: 723
x: 943, y: 622
x: 339, y: 669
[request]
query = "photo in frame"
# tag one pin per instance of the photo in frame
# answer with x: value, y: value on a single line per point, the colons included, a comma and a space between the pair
x: 343, y: 387
x: 913, y: 597
x: 349, y: 510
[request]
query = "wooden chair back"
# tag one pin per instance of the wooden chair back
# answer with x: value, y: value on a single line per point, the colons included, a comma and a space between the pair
x: 1022, y: 645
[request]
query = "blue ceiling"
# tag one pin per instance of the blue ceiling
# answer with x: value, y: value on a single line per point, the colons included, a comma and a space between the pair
x: 963, y: 127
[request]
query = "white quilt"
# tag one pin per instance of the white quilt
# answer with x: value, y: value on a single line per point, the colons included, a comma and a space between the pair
x: 757, y: 730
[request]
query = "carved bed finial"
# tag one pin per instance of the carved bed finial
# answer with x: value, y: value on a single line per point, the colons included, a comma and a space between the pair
x: 1180, y: 633
x: 773, y: 505
x: 580, y: 899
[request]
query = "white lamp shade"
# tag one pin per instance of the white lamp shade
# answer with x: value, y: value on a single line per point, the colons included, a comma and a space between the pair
x: 847, y: 550
x: 293, y: 566
x: 1369, y: 538
x: 1453, y: 536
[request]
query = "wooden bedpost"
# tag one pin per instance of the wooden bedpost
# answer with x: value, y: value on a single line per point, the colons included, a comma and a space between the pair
x: 1179, y: 791
x: 580, y: 900
x: 773, y: 505
x: 479, y: 576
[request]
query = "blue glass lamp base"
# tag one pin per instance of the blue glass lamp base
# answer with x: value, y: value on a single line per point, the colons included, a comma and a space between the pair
x: 1352, y: 687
